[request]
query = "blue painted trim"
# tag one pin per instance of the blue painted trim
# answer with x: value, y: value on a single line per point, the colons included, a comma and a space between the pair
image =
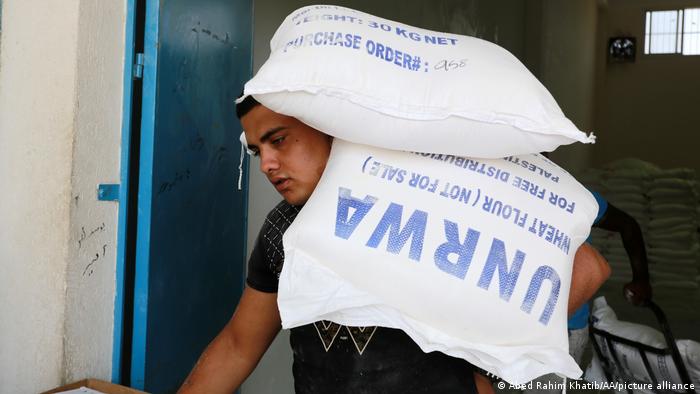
x: 145, y: 195
x: 123, y: 192
x: 108, y: 192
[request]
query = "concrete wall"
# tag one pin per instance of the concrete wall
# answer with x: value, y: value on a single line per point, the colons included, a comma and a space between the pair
x: 37, y: 123
x: 500, y: 21
x: 565, y: 39
x: 90, y: 275
x: 646, y: 109
x: 60, y: 110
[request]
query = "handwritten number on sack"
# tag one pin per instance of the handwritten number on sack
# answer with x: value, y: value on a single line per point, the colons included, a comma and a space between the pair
x: 449, y: 65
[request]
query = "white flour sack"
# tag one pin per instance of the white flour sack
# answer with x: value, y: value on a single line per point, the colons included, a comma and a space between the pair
x: 469, y: 257
x: 382, y: 83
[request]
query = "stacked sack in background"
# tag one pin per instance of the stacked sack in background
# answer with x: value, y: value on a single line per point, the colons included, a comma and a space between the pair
x: 673, y: 227
x: 405, y: 202
x: 674, y: 247
x: 624, y: 183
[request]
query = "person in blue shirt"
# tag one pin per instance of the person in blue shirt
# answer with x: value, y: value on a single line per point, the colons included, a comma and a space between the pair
x: 637, y: 291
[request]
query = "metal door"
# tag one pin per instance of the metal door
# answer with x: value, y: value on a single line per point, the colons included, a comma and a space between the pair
x: 189, y: 246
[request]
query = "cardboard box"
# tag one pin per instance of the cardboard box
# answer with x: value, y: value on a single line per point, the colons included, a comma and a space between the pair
x: 99, y: 385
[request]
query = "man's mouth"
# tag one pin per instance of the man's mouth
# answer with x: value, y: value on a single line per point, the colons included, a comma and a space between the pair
x: 281, y: 184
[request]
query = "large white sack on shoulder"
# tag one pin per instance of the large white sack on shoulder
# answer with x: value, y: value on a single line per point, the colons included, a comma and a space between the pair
x: 468, y: 257
x: 382, y: 83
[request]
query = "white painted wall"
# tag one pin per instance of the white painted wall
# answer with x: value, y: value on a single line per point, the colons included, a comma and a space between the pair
x: 60, y: 113
x: 646, y: 109
x: 567, y: 68
x: 90, y: 275
x: 37, y: 122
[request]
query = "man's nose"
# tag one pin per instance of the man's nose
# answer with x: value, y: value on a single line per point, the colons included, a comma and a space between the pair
x: 268, y: 162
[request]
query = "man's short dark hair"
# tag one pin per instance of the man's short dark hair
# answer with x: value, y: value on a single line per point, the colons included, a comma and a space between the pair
x: 245, y: 106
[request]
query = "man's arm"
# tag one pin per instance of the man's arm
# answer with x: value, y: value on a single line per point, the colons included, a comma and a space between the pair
x: 639, y: 289
x: 234, y: 353
x: 589, y: 272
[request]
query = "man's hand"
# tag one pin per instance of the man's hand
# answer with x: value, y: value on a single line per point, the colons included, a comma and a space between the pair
x: 637, y: 292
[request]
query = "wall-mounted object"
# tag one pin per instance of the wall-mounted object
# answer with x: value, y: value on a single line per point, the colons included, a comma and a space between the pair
x: 622, y: 49
x: 108, y: 192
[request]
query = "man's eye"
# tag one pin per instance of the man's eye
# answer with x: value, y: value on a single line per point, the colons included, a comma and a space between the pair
x: 254, y: 153
x: 277, y: 140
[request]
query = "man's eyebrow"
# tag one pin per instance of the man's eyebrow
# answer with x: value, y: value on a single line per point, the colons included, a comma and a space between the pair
x: 268, y: 134
x: 271, y: 132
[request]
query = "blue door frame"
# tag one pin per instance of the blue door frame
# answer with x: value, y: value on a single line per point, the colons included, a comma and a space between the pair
x: 190, y: 218
x: 124, y: 200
